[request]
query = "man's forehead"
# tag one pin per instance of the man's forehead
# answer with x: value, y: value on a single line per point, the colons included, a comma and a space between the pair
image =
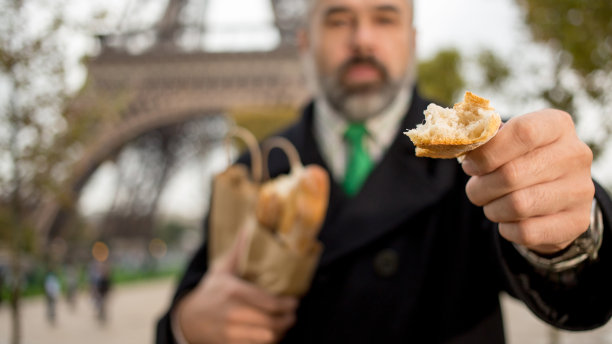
x: 323, y: 5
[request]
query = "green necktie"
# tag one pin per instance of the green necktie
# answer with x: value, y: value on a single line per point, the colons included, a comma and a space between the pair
x: 359, y: 162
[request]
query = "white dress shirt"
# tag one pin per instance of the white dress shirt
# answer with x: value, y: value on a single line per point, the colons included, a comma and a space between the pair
x: 329, y: 128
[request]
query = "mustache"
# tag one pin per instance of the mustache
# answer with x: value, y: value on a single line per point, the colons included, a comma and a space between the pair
x: 363, y: 60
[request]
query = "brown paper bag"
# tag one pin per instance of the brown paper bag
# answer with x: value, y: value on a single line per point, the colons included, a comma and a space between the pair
x: 268, y: 263
x: 266, y: 260
x: 234, y: 196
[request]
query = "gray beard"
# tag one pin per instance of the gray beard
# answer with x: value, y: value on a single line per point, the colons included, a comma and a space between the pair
x: 359, y: 105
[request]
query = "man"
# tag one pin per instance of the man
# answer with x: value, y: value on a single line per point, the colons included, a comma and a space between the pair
x: 52, y: 293
x: 410, y: 255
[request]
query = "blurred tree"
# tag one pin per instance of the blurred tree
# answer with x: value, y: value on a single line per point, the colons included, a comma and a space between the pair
x: 37, y: 142
x: 171, y: 232
x: 495, y: 70
x: 581, y: 33
x: 440, y: 77
x: 582, y: 29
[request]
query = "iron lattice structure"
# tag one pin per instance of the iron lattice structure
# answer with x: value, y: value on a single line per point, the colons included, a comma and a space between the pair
x: 166, y: 84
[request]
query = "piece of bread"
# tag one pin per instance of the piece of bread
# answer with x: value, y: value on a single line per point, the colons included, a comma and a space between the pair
x: 450, y: 133
x: 294, y: 206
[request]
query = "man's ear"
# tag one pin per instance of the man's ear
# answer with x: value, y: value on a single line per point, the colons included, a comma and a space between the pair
x: 303, y: 40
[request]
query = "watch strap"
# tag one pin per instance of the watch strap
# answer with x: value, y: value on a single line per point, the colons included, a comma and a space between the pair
x: 585, y: 247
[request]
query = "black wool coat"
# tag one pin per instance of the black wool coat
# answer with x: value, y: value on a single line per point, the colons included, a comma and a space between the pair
x: 410, y: 260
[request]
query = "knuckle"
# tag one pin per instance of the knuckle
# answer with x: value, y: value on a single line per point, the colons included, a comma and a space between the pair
x: 584, y: 153
x: 590, y: 190
x: 487, y: 161
x: 565, y: 118
x: 491, y: 214
x: 268, y: 336
x: 584, y: 190
x: 584, y: 223
x: 577, y: 149
x: 472, y: 191
x: 583, y: 220
x: 509, y: 174
x: 519, y: 204
x: 526, y: 132
x: 232, y: 288
x: 526, y: 235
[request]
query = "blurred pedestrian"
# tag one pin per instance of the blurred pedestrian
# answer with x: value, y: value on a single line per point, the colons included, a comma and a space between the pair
x: 100, y: 280
x: 52, y: 293
x: 72, y: 284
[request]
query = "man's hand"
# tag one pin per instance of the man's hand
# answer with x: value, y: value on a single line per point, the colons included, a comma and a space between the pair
x: 226, y: 309
x: 534, y: 179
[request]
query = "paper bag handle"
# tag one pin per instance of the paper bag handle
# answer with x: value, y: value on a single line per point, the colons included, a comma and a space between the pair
x: 286, y: 146
x: 249, y: 139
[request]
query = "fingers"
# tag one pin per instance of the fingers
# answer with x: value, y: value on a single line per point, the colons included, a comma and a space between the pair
x: 247, y: 316
x: 517, y: 137
x: 249, y: 335
x: 260, y: 299
x: 243, y: 332
x: 538, y: 200
x: 562, y: 161
x: 534, y: 179
x: 223, y: 308
x: 259, y: 316
x: 245, y: 322
x: 546, y: 234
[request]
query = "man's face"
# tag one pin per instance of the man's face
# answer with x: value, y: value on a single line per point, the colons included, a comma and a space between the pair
x: 362, y: 51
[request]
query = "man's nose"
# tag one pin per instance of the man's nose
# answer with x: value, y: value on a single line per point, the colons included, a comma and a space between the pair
x: 363, y: 38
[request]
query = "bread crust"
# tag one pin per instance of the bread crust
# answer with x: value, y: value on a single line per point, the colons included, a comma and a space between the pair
x: 297, y: 216
x: 444, y: 147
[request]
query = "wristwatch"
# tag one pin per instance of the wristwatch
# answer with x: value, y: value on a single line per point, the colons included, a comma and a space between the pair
x: 586, y: 246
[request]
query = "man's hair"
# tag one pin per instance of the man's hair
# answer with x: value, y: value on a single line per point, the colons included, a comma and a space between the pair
x: 309, y: 5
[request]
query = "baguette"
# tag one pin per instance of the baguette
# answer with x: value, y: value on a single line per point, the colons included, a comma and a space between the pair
x: 294, y: 206
x: 451, y: 133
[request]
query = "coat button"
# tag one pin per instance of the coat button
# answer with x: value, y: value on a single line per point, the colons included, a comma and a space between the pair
x: 386, y: 263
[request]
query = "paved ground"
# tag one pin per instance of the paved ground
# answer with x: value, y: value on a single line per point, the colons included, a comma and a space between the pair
x: 522, y: 327
x: 134, y: 309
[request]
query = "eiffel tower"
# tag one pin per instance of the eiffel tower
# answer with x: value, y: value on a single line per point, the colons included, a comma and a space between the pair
x: 166, y: 84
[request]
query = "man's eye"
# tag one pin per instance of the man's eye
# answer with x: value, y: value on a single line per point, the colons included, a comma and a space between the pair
x: 337, y: 22
x: 385, y: 20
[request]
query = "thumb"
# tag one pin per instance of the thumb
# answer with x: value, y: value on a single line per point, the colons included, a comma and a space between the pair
x: 231, y: 261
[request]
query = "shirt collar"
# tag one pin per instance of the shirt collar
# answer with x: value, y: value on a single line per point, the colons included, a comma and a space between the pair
x: 329, y: 128
x: 381, y: 128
